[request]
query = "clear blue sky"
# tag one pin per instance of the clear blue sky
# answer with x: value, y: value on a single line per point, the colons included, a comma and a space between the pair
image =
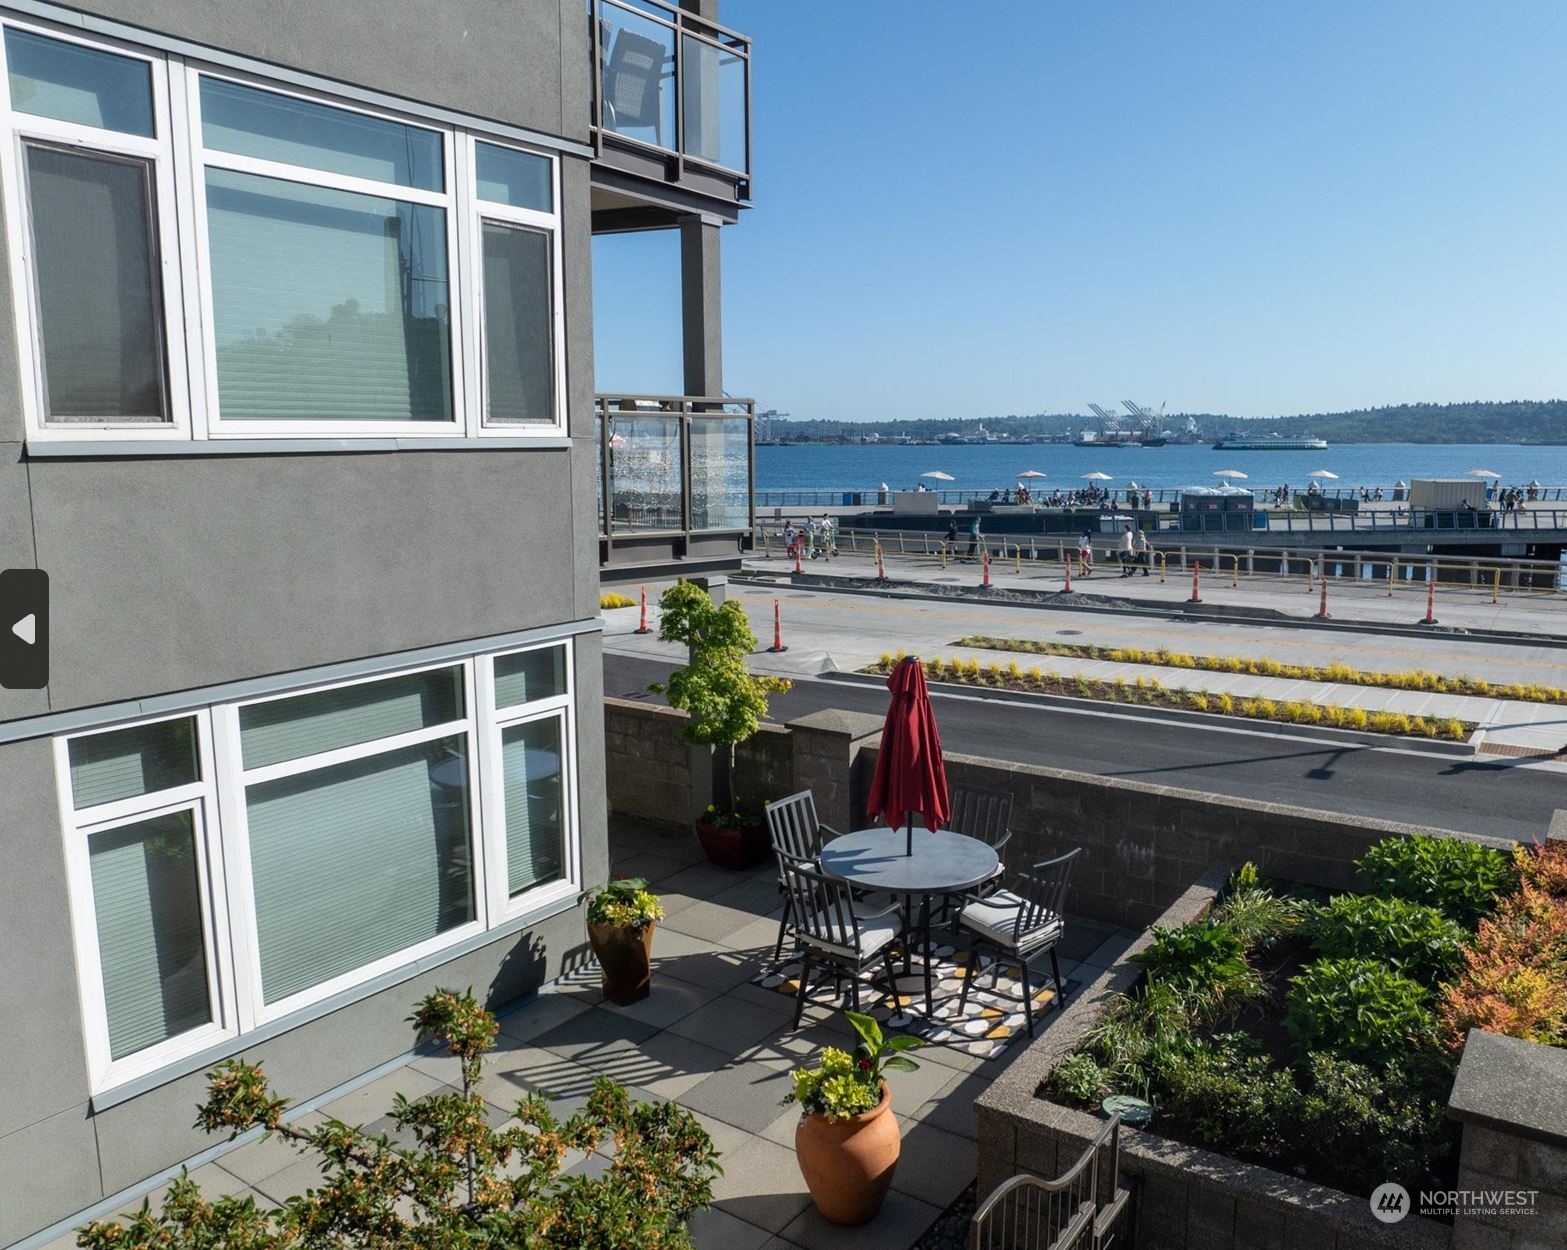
x: 965, y: 209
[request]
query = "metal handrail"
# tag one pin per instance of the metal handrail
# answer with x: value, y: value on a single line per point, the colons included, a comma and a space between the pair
x: 1042, y: 1214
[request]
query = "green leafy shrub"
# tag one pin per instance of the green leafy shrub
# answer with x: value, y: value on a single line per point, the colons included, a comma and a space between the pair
x: 1360, y: 1125
x: 1205, y: 964
x: 1255, y: 914
x: 1414, y: 939
x: 1358, y: 1009
x: 458, y: 1182
x: 1080, y: 1078
x: 1233, y: 1100
x: 624, y: 901
x: 1461, y: 879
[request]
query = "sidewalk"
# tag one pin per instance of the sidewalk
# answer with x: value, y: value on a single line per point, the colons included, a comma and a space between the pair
x: 1538, y: 613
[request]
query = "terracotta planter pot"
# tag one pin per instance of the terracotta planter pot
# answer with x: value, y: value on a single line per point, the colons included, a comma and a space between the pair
x: 734, y: 846
x: 848, y: 1164
x: 625, y: 955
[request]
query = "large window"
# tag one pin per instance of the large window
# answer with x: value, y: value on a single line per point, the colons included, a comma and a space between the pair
x: 236, y: 865
x: 333, y: 271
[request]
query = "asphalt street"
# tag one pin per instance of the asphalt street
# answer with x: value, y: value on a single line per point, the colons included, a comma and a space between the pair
x: 1504, y: 798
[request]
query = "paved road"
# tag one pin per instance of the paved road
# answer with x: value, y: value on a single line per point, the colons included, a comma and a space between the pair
x: 1501, y: 798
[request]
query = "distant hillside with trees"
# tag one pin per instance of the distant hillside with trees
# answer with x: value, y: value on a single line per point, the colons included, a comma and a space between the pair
x: 1478, y: 421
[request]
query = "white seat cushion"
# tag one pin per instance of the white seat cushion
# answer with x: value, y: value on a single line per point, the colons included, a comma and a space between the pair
x: 873, y: 936
x: 996, y: 918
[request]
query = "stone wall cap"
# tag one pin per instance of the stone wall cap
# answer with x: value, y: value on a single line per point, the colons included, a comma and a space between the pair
x: 1513, y: 1086
x: 838, y: 721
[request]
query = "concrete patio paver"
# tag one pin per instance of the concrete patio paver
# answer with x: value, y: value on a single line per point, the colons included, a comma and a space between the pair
x: 717, y: 1044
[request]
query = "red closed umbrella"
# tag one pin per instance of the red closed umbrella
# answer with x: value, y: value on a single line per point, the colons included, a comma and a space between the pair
x: 911, y: 776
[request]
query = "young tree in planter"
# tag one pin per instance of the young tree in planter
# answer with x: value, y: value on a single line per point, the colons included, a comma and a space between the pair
x: 726, y: 703
x: 460, y: 1184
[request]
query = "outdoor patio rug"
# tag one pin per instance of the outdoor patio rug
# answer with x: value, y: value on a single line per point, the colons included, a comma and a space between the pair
x: 989, y: 1024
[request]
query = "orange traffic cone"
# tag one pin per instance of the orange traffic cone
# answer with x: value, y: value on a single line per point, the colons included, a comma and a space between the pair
x: 778, y: 642
x: 1322, y: 607
x: 1196, y: 583
x: 1430, y: 618
x: 642, y: 627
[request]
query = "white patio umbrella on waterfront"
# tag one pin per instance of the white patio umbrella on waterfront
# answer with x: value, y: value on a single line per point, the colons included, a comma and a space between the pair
x: 1096, y: 476
x: 1484, y: 473
x: 1323, y: 473
x: 936, y: 475
x: 1231, y: 473
x: 1028, y: 474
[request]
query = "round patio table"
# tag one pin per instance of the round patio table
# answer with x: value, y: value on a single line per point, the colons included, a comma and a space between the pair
x: 939, y: 863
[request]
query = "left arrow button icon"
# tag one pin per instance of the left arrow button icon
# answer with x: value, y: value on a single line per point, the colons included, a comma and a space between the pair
x: 27, y: 629
x: 24, y: 642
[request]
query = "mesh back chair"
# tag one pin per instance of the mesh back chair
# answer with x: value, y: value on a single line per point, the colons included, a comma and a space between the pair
x: 832, y: 933
x: 1020, y: 923
x: 633, y: 84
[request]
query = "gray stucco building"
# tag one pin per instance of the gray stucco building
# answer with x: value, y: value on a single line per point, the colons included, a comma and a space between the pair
x: 300, y: 422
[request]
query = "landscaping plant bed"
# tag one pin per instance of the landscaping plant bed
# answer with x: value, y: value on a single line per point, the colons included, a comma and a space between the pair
x: 1340, y: 674
x: 1148, y: 692
x: 1318, y: 1035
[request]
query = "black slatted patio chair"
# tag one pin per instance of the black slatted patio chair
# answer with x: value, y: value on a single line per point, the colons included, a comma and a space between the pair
x: 1020, y: 923
x: 832, y: 934
x: 796, y: 831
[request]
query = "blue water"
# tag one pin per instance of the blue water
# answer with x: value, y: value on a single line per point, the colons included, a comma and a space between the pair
x: 866, y: 466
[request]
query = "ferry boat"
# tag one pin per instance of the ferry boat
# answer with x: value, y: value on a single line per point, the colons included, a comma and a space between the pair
x: 1272, y: 442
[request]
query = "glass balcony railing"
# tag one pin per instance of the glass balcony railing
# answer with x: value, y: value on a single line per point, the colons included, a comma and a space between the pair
x: 672, y: 464
x: 668, y: 80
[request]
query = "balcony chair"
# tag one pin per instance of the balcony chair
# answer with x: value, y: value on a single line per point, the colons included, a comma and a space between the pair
x: 633, y: 84
x: 986, y: 815
x: 796, y: 831
x: 831, y: 932
x: 1020, y: 923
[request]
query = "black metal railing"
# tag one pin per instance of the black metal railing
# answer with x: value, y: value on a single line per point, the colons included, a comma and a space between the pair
x: 670, y: 82
x: 674, y: 465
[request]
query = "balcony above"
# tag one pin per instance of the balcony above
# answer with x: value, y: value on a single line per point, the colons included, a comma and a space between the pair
x: 675, y: 476
x: 671, y: 115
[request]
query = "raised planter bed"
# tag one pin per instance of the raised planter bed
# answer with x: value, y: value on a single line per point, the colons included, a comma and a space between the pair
x: 1188, y: 1198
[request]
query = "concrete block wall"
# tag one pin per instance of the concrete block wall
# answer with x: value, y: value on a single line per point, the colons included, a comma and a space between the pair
x: 648, y: 772
x: 1145, y: 844
x: 1511, y: 1096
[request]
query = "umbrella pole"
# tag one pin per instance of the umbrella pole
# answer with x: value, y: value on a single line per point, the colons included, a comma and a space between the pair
x: 908, y: 818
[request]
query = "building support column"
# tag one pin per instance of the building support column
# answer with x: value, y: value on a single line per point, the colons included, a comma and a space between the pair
x: 701, y: 305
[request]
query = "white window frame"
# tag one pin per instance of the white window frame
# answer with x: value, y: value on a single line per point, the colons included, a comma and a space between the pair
x: 481, y: 211
x: 223, y: 841
x: 80, y: 826
x: 562, y: 708
x: 180, y: 161
x: 204, y: 158
x: 159, y: 152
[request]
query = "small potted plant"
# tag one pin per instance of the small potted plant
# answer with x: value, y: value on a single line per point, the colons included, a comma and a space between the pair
x: 726, y: 703
x: 621, y: 920
x: 847, y: 1141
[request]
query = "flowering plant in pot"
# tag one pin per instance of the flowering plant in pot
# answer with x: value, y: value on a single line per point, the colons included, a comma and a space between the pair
x: 621, y: 919
x: 725, y: 702
x: 847, y: 1141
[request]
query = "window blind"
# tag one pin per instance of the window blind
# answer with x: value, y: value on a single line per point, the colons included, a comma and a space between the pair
x: 535, y: 803
x: 356, y: 862
x: 327, y: 305
x: 151, y: 935
x: 526, y: 676
x: 290, y: 729
x: 125, y: 763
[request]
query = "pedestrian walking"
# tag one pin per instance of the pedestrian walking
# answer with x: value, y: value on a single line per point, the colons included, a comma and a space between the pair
x: 1141, y: 550
x: 790, y: 538
x: 829, y: 549
x: 952, y: 536
x: 1125, y: 552
x: 973, y: 539
x: 810, y: 538
x: 1085, y: 552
